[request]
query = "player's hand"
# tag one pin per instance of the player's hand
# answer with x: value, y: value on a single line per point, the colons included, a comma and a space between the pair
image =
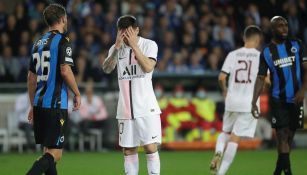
x: 119, y: 39
x: 299, y: 96
x: 30, y: 115
x: 77, y: 102
x: 255, y: 111
x: 131, y: 36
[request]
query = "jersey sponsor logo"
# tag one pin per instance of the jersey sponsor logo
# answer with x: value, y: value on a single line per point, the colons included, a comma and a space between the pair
x: 130, y: 72
x: 153, y: 137
x: 120, y: 58
x: 284, y: 62
x: 69, y: 51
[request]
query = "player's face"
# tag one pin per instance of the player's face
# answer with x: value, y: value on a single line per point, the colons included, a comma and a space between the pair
x: 280, y: 29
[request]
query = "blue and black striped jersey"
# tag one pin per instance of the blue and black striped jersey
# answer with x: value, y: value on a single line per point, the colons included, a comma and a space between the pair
x: 285, y: 64
x: 48, y: 53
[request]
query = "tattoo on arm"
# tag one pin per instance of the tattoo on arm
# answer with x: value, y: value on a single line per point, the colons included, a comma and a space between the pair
x: 110, y: 62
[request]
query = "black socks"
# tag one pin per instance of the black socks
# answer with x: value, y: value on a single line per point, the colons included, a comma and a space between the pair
x: 283, y: 164
x: 42, y: 164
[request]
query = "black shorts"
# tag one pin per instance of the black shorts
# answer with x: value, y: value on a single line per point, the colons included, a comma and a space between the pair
x: 286, y: 114
x: 50, y: 126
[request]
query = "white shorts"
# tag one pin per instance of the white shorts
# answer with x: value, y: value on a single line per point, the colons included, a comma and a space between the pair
x: 242, y: 124
x: 140, y: 131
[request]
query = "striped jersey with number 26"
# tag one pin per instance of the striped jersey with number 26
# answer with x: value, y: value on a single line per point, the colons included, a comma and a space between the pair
x: 50, y: 51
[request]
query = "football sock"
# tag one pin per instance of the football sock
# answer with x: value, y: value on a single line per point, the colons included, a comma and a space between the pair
x: 51, y: 170
x: 153, y: 163
x: 279, y: 166
x: 286, y: 163
x: 222, y: 139
x: 41, y: 164
x: 132, y: 164
x: 228, y: 157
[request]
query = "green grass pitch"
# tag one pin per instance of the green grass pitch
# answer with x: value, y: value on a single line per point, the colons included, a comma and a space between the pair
x: 172, y: 163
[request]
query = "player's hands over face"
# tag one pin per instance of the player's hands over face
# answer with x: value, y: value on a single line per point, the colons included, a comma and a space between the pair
x: 30, y: 115
x: 131, y: 36
x: 299, y: 96
x: 77, y: 102
x: 255, y: 111
x: 119, y: 39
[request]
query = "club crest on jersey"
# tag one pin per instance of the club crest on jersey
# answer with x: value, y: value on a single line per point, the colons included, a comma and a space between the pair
x: 69, y: 51
x: 293, y: 49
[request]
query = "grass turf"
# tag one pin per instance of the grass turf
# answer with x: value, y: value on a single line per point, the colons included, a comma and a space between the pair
x: 172, y: 163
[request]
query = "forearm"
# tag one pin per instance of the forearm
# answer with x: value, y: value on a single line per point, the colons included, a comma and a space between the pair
x: 146, y: 63
x: 258, y: 88
x: 31, y: 84
x: 69, y: 79
x: 222, y: 84
x: 110, y: 62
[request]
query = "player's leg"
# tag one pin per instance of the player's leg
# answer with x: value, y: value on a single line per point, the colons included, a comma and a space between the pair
x: 229, y: 154
x: 129, y: 141
x: 223, y: 138
x: 149, y: 130
x: 53, y: 124
x: 244, y: 126
x: 153, y: 158
x: 131, y: 161
x: 283, y: 161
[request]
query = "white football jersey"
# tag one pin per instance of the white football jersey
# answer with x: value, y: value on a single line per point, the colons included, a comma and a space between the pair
x: 242, y: 67
x: 136, y: 94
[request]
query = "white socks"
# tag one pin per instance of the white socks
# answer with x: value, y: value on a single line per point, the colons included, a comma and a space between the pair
x: 153, y: 163
x: 222, y: 139
x: 228, y: 157
x: 132, y: 164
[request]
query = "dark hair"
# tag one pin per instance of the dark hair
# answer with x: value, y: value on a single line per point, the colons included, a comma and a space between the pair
x: 126, y: 21
x: 53, y: 13
x: 252, y: 30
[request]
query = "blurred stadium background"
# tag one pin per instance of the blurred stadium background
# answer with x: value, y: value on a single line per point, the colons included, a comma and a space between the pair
x: 193, y: 37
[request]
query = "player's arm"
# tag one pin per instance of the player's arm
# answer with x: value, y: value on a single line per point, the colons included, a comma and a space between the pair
x: 226, y: 69
x: 258, y: 87
x: 31, y: 84
x: 66, y: 62
x: 299, y: 96
x: 110, y: 62
x: 222, y: 79
x: 147, y: 63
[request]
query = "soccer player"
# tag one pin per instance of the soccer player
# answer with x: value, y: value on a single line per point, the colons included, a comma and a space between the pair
x: 286, y: 60
x: 241, y: 66
x: 49, y: 76
x: 138, y: 112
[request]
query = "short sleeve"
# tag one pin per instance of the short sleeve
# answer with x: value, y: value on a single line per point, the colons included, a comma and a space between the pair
x: 227, y: 66
x: 65, y: 52
x: 303, y: 53
x: 263, y: 66
x: 151, y: 51
x: 32, y: 65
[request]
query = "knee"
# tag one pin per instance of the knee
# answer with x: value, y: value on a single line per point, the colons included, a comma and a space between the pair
x: 129, y: 151
x: 56, y: 153
x: 151, y: 148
